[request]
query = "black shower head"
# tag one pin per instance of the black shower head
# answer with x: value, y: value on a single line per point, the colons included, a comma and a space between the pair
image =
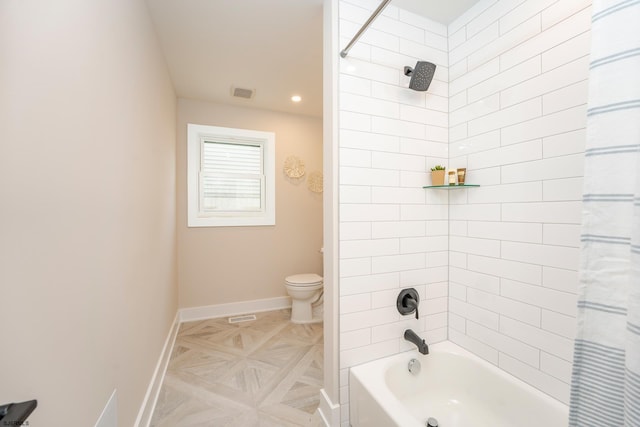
x: 421, y: 76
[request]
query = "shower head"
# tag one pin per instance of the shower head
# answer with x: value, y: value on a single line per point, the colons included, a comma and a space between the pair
x: 421, y: 75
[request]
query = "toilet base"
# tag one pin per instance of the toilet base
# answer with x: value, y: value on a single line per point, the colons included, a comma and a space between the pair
x: 302, y: 312
x: 306, y: 322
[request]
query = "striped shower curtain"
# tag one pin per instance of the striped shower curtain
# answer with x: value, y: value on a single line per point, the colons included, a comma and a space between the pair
x: 605, y: 389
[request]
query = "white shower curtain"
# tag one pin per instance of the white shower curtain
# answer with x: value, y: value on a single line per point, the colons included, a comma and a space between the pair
x: 605, y: 389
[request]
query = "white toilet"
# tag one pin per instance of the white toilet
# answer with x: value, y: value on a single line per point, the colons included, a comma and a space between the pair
x: 306, y: 294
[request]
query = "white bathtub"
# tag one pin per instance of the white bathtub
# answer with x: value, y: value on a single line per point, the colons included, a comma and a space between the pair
x: 454, y: 386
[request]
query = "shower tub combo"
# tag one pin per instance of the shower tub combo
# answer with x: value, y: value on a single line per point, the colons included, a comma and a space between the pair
x: 450, y: 387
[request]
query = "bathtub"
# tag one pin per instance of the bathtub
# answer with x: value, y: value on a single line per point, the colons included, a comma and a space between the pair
x: 453, y: 386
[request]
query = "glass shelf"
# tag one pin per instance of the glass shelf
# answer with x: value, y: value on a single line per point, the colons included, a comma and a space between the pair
x: 451, y: 187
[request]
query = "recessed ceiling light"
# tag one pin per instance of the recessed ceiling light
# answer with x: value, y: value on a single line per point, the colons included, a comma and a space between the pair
x: 296, y: 98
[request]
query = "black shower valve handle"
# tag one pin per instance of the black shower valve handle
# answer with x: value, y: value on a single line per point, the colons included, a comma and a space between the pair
x: 412, y: 304
x: 408, y: 302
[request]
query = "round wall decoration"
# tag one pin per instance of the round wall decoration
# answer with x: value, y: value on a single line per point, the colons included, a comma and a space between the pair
x: 315, y: 182
x: 294, y: 167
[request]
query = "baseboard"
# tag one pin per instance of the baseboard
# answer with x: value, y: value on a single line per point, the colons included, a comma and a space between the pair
x: 232, y: 309
x: 329, y: 412
x: 153, y: 391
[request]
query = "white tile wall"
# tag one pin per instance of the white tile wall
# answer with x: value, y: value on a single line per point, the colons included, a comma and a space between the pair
x: 495, y: 266
x: 522, y: 93
x: 393, y: 235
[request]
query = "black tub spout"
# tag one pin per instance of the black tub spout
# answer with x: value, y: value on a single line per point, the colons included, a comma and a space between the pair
x: 411, y: 336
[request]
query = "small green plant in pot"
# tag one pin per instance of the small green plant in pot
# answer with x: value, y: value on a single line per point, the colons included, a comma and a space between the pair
x: 437, y: 175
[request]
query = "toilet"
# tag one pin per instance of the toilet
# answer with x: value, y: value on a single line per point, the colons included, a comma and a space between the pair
x: 306, y: 295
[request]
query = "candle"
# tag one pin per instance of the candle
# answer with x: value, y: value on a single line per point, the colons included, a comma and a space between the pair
x: 461, y: 174
x: 453, y: 180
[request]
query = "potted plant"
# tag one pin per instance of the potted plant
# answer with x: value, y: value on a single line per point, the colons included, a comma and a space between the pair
x: 437, y: 175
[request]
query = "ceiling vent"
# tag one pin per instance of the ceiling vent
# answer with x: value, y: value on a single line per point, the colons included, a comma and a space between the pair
x: 240, y: 92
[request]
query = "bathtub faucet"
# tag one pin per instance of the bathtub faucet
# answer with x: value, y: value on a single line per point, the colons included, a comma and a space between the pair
x: 411, y: 336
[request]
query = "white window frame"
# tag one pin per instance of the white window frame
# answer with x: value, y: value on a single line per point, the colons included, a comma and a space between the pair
x: 196, y: 137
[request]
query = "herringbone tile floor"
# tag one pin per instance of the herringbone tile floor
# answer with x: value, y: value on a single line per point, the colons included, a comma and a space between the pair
x: 263, y: 373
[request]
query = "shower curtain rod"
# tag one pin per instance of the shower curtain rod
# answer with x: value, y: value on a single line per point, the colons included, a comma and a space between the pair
x: 355, y: 38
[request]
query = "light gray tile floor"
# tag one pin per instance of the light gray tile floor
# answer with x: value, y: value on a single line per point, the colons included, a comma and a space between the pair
x: 262, y: 373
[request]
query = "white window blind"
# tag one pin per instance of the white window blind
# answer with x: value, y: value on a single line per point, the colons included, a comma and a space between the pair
x: 232, y: 177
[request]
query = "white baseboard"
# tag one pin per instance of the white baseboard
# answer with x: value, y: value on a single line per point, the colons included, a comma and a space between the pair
x: 329, y: 412
x: 153, y: 391
x: 232, y: 309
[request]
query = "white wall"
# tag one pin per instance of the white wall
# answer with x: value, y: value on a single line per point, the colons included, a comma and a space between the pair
x: 87, y: 216
x: 518, y: 95
x: 515, y: 104
x: 329, y: 407
x: 393, y: 233
x: 212, y: 261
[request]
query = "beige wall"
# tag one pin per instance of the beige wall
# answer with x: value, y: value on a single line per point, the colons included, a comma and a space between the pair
x: 87, y: 207
x: 219, y: 265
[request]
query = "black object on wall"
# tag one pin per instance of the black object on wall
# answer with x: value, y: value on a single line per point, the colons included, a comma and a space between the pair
x: 15, y: 414
x: 408, y: 301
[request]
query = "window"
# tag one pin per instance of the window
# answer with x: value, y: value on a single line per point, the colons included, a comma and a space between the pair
x: 230, y: 177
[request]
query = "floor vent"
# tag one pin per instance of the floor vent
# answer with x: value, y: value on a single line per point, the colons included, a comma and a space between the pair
x: 245, y: 318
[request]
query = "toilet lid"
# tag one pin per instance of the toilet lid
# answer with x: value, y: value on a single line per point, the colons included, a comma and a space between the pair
x: 304, y: 279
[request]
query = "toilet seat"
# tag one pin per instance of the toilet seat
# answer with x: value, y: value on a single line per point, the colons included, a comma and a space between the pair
x: 304, y: 280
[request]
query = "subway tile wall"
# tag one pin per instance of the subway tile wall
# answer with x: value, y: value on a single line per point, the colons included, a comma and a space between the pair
x: 518, y: 93
x: 393, y: 233
x: 495, y: 266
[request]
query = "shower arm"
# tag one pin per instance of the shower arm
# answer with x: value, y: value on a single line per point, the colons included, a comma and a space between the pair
x: 378, y: 11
